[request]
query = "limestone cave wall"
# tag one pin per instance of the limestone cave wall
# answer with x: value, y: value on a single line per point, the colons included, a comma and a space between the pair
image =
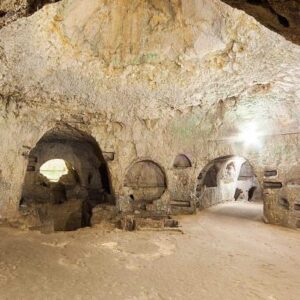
x: 150, y: 80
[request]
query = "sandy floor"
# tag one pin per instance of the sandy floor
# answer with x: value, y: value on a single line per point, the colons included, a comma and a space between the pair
x: 226, y: 252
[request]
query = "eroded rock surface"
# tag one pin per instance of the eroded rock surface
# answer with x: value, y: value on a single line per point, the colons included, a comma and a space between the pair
x: 11, y: 10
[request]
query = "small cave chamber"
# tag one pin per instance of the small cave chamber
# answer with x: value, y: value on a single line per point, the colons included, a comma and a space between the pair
x: 66, y: 178
x: 228, y: 178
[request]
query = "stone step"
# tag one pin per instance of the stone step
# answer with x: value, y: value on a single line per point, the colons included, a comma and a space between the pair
x: 132, y: 222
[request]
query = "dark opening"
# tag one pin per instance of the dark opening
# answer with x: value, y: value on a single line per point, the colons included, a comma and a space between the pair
x: 35, y: 5
x: 2, y: 13
x: 297, y: 206
x: 270, y: 173
x: 255, y: 2
x: 251, y: 193
x: 210, y: 179
x: 105, y: 178
x: 283, y: 21
x: 284, y: 203
x: 237, y: 193
x: 272, y: 185
x: 30, y: 168
x: 200, y: 176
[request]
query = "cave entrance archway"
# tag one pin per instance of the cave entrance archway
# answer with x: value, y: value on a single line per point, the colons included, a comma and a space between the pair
x: 230, y: 179
x: 67, y: 176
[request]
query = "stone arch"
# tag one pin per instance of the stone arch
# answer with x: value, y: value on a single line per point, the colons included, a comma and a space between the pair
x: 221, y: 180
x: 181, y: 162
x: 246, y: 170
x: 146, y: 181
x: 74, y: 195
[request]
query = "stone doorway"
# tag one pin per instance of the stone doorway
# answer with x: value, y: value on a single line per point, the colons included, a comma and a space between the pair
x: 67, y: 176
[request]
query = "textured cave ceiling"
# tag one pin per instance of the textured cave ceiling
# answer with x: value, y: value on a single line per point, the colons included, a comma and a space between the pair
x: 146, y: 58
x: 281, y: 16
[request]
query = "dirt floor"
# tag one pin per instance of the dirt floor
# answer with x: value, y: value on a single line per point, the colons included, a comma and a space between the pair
x: 225, y: 252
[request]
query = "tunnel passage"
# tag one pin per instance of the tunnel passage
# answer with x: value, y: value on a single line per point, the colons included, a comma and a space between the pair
x: 229, y: 178
x: 66, y: 177
x: 146, y: 181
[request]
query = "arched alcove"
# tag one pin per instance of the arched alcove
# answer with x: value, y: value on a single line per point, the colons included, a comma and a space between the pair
x: 66, y: 177
x: 181, y: 162
x: 147, y: 181
x: 246, y: 171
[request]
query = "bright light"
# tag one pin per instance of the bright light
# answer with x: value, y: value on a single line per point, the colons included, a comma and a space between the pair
x: 53, y: 169
x: 250, y: 136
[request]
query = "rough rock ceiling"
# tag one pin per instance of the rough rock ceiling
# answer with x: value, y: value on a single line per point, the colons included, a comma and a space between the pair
x: 63, y: 133
x: 281, y: 16
x: 149, y: 60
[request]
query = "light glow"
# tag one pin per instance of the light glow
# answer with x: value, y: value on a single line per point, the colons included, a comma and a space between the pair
x: 250, y: 136
x: 54, y: 169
